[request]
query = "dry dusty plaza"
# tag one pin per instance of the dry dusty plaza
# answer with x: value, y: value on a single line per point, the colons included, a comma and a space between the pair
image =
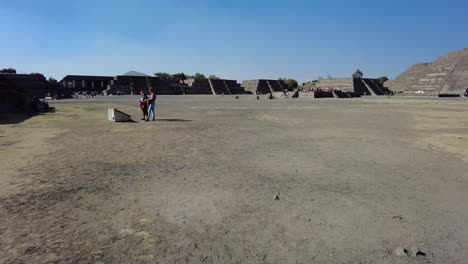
x: 233, y: 132
x: 223, y: 180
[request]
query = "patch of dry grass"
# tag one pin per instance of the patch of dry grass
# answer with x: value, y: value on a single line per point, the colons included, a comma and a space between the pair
x: 445, y: 128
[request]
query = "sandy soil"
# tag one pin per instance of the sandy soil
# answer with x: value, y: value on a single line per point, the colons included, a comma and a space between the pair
x: 219, y: 180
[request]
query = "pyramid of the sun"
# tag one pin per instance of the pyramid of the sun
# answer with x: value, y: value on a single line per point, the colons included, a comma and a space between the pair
x: 446, y: 76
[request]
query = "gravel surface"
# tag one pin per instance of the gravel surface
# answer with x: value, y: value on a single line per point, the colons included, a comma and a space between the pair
x: 225, y: 180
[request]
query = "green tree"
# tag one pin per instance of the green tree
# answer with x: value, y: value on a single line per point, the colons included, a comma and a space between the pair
x: 358, y: 74
x: 214, y: 77
x: 382, y: 79
x: 8, y: 70
x: 39, y: 75
x: 163, y: 75
x: 199, y: 76
x: 179, y: 76
x: 52, y: 80
x: 291, y: 84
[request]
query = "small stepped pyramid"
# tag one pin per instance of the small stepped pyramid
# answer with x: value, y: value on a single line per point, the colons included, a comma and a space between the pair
x: 213, y: 86
x: 263, y: 86
x: 220, y: 87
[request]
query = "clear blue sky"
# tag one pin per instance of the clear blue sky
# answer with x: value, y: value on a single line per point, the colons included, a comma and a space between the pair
x: 239, y: 39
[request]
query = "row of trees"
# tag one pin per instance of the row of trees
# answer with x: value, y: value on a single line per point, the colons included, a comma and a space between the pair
x: 182, y: 76
x: 7, y: 70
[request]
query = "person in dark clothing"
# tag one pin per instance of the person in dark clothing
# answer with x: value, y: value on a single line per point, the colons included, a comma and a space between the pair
x: 144, y: 105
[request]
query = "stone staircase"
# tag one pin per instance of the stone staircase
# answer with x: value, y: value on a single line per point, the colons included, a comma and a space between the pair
x: 369, y: 89
x: 227, y: 87
x: 457, y: 82
x: 378, y: 87
x: 233, y: 87
x: 360, y: 87
x: 212, y: 86
x: 198, y: 86
x: 263, y: 86
x: 270, y: 87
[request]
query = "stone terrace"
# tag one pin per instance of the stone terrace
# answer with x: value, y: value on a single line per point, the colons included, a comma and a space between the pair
x: 263, y: 86
x: 447, y: 75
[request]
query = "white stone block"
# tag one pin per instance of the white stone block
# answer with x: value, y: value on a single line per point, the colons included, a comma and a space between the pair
x: 115, y: 115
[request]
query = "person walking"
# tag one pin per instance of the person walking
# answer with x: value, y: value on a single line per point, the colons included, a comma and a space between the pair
x: 144, y: 104
x: 151, y: 104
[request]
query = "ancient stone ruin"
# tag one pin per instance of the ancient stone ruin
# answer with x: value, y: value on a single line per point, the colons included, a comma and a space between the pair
x: 129, y: 83
x: 447, y: 76
x: 20, y: 93
x: 213, y: 86
x: 133, y: 84
x: 86, y: 83
x: 264, y: 86
x: 349, y: 87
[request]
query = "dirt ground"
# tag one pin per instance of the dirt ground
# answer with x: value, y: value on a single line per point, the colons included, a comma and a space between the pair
x: 220, y: 180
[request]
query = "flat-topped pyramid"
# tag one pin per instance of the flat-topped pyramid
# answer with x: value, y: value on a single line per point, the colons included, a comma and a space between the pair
x: 446, y: 76
x: 135, y: 73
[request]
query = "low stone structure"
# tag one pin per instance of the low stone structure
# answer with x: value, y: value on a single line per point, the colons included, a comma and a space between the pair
x: 263, y: 86
x: 128, y: 83
x: 446, y: 76
x: 86, y: 83
x: 20, y: 93
x: 351, y: 87
x: 213, y: 86
x: 198, y: 86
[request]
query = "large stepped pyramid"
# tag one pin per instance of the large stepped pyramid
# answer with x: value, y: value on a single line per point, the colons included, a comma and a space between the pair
x: 446, y: 76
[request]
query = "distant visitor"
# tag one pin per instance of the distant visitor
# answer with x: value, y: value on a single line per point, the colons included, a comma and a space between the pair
x: 151, y: 104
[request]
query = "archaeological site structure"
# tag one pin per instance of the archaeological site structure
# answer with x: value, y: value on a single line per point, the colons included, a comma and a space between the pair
x: 447, y: 76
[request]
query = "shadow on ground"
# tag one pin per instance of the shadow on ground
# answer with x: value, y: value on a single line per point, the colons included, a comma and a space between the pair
x: 173, y: 120
x: 16, y: 118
